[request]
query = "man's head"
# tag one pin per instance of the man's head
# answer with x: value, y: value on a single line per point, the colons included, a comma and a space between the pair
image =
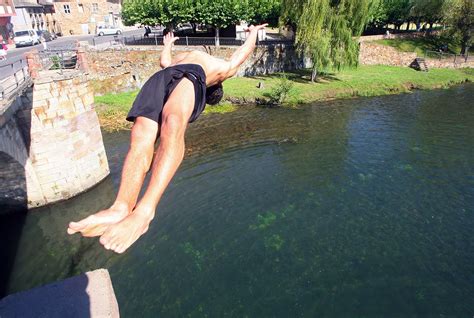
x: 214, y: 94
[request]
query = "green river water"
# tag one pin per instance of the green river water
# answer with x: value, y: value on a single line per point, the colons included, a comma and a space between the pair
x: 354, y: 208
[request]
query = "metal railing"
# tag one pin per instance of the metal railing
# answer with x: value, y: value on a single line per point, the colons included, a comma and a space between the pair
x: 12, y: 77
x: 197, y: 41
x: 58, y: 59
x: 448, y: 57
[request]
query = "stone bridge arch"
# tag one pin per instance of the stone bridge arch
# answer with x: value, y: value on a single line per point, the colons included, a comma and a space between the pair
x: 17, y: 175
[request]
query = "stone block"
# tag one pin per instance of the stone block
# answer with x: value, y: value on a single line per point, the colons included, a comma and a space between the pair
x: 39, y: 103
x: 53, y: 102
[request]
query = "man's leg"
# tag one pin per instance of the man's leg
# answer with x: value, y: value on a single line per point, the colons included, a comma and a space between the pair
x: 136, y: 165
x: 170, y: 153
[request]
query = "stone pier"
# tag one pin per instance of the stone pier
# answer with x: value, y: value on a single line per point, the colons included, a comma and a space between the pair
x: 51, y: 141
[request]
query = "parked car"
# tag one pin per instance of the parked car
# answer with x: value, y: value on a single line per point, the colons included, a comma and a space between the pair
x: 26, y: 38
x: 45, y: 36
x: 108, y: 30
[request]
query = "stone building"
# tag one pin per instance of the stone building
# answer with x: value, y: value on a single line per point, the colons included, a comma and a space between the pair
x: 84, y: 16
x: 36, y: 15
x: 7, y: 10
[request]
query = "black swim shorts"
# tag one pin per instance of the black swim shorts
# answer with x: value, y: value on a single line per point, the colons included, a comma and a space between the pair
x: 156, y: 91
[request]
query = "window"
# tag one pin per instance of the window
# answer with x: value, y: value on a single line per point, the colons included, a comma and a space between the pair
x: 80, y: 6
x: 95, y: 7
x: 67, y: 9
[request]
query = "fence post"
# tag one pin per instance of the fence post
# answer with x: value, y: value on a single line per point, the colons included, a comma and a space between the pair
x: 156, y: 41
x: 82, y: 59
x: 187, y: 43
x: 14, y: 75
x: 34, y: 65
x: 23, y: 70
x: 62, y: 61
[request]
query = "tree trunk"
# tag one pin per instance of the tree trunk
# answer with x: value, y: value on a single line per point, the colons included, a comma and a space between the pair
x: 408, y: 26
x: 314, y: 74
x: 418, y: 26
x: 465, y: 43
x: 217, y: 37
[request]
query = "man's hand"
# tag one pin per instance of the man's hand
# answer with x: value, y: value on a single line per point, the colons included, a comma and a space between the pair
x: 169, y: 39
x: 255, y: 28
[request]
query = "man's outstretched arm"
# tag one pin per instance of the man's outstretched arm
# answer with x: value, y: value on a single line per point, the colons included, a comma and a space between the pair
x: 165, y: 58
x: 241, y: 54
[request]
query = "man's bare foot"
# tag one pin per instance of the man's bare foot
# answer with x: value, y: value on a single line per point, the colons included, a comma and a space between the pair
x: 119, y: 237
x: 96, y: 224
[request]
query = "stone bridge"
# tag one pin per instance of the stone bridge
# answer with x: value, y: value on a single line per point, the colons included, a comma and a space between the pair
x: 50, y: 140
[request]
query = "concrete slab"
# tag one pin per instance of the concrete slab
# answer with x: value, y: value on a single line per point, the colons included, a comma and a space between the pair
x: 87, y: 295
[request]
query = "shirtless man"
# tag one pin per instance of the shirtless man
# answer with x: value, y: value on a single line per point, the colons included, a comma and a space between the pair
x: 169, y: 100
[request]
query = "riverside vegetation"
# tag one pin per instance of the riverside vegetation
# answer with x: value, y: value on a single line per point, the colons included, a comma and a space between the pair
x: 294, y: 88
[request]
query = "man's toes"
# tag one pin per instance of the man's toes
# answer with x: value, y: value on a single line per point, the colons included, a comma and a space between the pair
x: 71, y: 231
x: 114, y: 246
x: 121, y: 249
x: 78, y: 226
x: 104, y: 240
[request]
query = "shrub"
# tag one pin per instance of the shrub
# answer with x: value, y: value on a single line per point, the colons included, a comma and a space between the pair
x: 279, y: 93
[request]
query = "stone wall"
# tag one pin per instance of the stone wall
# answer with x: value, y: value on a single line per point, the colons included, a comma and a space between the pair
x: 376, y: 54
x: 122, y: 70
x: 53, y: 133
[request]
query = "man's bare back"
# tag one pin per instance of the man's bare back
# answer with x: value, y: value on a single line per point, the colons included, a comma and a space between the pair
x: 217, y: 70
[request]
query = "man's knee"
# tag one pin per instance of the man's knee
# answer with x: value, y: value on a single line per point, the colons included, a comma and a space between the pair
x: 173, y: 125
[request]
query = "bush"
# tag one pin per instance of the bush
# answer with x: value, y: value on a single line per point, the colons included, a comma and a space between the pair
x: 279, y: 93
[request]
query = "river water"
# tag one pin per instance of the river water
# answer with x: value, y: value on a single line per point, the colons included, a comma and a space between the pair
x: 355, y: 208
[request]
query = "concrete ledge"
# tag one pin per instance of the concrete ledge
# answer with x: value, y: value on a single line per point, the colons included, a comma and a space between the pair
x: 87, y: 295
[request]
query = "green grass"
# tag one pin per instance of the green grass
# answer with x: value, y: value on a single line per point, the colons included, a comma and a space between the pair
x: 120, y: 101
x: 222, y: 108
x: 349, y: 83
x: 363, y: 81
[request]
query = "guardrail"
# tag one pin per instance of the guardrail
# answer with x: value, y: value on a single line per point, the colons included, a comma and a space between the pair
x: 442, y: 56
x: 58, y: 59
x: 12, y: 77
x: 120, y: 41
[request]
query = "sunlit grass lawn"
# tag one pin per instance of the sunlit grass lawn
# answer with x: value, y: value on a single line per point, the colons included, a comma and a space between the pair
x: 361, y: 81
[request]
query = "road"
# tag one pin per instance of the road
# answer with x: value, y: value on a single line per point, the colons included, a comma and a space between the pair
x: 66, y: 42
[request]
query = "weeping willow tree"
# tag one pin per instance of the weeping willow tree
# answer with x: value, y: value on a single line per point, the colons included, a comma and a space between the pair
x: 327, y: 30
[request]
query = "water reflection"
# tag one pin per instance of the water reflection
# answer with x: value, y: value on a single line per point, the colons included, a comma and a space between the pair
x: 348, y: 208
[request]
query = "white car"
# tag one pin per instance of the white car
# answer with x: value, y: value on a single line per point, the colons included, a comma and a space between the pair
x: 26, y: 37
x: 108, y: 30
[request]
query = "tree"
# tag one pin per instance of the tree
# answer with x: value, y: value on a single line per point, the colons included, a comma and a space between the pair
x: 326, y: 30
x: 156, y: 12
x: 397, y: 11
x: 216, y: 13
x: 220, y: 13
x: 377, y: 13
x: 264, y: 11
x: 459, y: 15
x: 429, y: 11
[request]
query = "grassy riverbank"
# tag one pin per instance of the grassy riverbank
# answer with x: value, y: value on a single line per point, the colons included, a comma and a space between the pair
x: 363, y: 81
